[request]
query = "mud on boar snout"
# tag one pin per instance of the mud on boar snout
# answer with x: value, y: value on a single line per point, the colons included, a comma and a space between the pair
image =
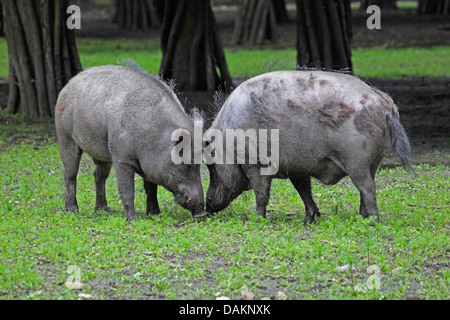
x: 123, y: 118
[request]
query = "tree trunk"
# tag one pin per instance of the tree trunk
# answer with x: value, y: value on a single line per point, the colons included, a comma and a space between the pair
x: 434, y: 7
x: 137, y: 14
x: 383, y: 4
x: 324, y: 33
x: 42, y: 53
x: 191, y: 48
x: 1, y: 19
x: 255, y: 21
x: 281, y: 14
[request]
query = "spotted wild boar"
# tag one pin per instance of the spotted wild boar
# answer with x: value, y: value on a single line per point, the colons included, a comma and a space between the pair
x: 329, y: 124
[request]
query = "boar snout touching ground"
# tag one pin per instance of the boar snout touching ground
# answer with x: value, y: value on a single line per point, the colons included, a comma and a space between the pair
x: 123, y: 118
x: 330, y: 125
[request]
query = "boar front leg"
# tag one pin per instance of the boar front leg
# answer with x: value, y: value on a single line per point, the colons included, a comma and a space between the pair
x: 152, y: 198
x: 125, y: 183
x: 101, y: 174
x: 303, y: 187
x: 261, y: 186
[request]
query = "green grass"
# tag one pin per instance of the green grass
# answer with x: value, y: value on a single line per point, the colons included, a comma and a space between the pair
x: 396, y: 63
x: 95, y: 52
x: 368, y: 62
x: 402, y: 62
x: 4, y: 61
x: 175, y: 257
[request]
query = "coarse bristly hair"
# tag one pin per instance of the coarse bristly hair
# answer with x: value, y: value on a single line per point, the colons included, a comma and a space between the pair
x: 131, y: 64
x: 188, y: 107
x: 245, y: 73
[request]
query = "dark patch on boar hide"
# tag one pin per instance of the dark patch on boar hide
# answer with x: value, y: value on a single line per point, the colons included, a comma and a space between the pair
x: 370, y: 117
x: 291, y: 104
x: 311, y: 81
x: 387, y: 101
x: 335, y: 114
x: 266, y: 82
x: 302, y: 83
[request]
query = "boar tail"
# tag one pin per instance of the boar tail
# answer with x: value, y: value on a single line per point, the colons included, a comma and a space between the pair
x: 400, y: 140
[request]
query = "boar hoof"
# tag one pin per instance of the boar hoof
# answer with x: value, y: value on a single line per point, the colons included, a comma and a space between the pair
x: 311, y: 218
x: 105, y: 208
x: 72, y: 208
x: 200, y: 214
x: 130, y: 216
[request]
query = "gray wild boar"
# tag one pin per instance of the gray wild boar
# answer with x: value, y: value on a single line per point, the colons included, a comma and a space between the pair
x: 124, y: 118
x: 330, y: 125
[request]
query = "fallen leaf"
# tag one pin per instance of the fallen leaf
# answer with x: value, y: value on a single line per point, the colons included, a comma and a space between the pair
x: 344, y: 281
x: 246, y: 294
x: 345, y: 268
x: 147, y: 253
x: 330, y: 243
x: 85, y: 296
x: 396, y: 270
x: 280, y: 295
x: 222, y: 298
x: 74, y: 285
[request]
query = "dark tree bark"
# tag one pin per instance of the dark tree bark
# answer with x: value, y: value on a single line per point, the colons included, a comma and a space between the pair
x: 281, y: 14
x: 192, y: 52
x: 255, y: 22
x: 137, y: 14
x: 43, y: 54
x: 1, y: 19
x: 383, y: 4
x: 434, y: 7
x: 324, y: 32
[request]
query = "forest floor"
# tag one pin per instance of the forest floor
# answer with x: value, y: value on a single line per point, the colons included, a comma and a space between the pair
x: 174, y: 256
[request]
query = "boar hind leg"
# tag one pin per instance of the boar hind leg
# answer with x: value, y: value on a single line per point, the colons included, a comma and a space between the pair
x: 152, y: 198
x: 70, y: 155
x: 101, y: 174
x: 303, y: 187
x: 367, y: 189
x: 125, y: 183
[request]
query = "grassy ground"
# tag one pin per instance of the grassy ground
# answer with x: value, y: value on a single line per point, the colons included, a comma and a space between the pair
x: 375, y: 62
x: 174, y: 256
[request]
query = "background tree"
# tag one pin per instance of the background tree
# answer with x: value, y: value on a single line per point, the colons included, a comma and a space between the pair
x: 383, y: 4
x: 256, y: 20
x: 43, y: 54
x: 137, y: 14
x: 1, y: 19
x: 191, y: 48
x: 324, y: 31
x: 434, y: 7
